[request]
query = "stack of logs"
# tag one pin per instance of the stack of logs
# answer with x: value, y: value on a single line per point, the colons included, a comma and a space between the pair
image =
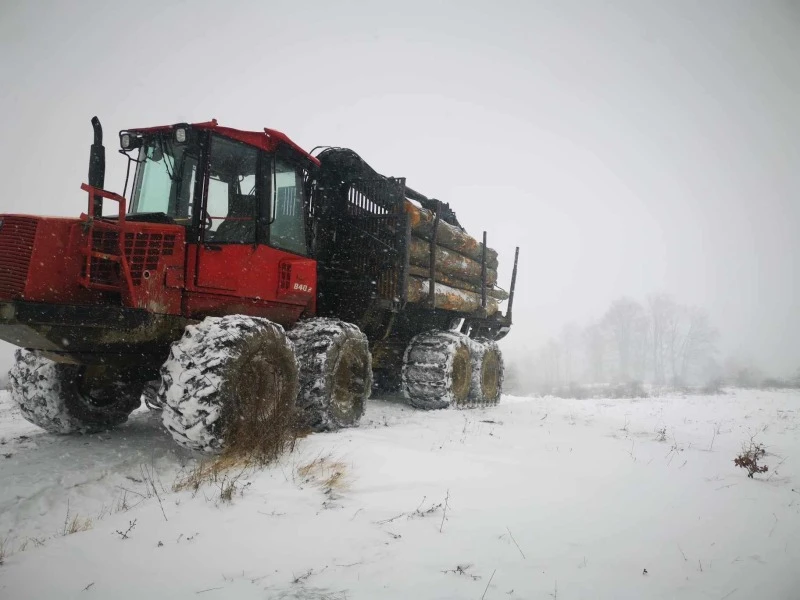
x: 458, y: 265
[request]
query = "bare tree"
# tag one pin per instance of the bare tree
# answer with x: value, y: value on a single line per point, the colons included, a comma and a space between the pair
x: 622, y: 319
x: 742, y: 372
x: 595, y: 341
x: 570, y: 351
x: 662, y: 312
x: 552, y: 363
x: 676, y: 323
x: 640, y: 348
x: 699, y: 343
x: 512, y: 380
x: 669, y: 340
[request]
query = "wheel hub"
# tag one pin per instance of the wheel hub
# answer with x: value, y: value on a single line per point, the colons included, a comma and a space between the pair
x: 461, y: 374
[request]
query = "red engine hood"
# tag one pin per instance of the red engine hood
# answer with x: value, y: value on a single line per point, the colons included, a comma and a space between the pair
x: 45, y: 259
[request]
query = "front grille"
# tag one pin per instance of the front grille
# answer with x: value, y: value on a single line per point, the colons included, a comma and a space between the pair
x: 16, y: 246
x: 142, y: 249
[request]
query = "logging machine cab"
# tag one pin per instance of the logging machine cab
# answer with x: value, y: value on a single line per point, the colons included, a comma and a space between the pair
x: 219, y: 184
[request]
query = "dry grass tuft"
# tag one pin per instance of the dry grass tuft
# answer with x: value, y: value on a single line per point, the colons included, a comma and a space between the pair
x: 252, y: 448
x: 225, y: 473
x: 207, y: 471
x: 76, y: 525
x: 326, y: 473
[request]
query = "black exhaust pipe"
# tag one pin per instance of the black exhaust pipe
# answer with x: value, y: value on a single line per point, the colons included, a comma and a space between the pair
x: 97, y: 165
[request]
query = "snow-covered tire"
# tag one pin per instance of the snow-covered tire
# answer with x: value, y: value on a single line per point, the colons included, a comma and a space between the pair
x: 437, y: 370
x: 488, y: 371
x: 52, y: 396
x: 230, y: 383
x: 335, y: 373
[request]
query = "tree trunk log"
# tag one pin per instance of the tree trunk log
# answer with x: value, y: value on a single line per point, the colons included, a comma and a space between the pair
x: 448, y: 236
x: 449, y: 262
x: 449, y: 298
x: 454, y: 282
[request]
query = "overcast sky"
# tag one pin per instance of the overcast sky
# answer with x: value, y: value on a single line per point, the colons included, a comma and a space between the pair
x: 627, y: 147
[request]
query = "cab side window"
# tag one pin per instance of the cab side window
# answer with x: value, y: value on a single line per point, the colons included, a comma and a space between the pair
x: 231, y: 205
x: 287, y: 230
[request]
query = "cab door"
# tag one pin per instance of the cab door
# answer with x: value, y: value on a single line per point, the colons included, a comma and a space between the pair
x: 251, y: 254
x: 228, y: 216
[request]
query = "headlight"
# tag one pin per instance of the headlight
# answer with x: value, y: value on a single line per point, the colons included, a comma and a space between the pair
x: 129, y: 141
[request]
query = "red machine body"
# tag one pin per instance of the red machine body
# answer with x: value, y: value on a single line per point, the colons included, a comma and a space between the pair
x: 58, y: 274
x: 84, y: 261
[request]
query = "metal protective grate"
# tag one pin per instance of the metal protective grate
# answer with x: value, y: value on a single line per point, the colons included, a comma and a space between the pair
x: 142, y: 249
x: 374, y: 233
x: 17, y: 235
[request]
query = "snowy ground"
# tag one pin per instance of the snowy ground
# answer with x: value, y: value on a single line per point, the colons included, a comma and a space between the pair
x: 546, y: 498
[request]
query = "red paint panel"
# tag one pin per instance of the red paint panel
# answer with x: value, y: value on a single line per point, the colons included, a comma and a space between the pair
x: 297, y: 281
x: 42, y: 259
x: 257, y: 273
x: 56, y: 264
x: 45, y: 251
x: 175, y: 277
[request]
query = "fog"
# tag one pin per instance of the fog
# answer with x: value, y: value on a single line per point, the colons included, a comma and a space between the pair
x: 628, y: 148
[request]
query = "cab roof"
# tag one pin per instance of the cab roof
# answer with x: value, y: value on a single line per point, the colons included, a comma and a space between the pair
x: 268, y: 139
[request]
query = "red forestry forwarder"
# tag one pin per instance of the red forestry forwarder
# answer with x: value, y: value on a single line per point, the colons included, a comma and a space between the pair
x: 245, y: 279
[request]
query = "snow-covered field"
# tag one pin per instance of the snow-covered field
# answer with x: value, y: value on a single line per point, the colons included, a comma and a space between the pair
x: 545, y: 498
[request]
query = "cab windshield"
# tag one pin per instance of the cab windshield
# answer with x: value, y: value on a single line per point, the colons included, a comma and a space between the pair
x: 165, y: 179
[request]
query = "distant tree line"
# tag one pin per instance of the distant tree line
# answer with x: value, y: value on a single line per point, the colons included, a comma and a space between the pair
x: 745, y: 374
x: 658, y: 341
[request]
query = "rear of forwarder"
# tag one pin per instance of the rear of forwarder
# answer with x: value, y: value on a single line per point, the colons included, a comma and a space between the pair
x: 232, y: 237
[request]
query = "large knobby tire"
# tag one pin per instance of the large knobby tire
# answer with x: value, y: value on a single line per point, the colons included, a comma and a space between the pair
x: 437, y: 370
x: 65, y: 398
x: 335, y: 373
x: 488, y: 371
x: 230, y: 383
